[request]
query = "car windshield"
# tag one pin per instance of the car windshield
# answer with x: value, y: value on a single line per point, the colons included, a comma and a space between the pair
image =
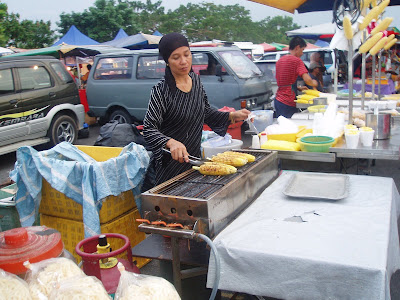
x: 240, y: 64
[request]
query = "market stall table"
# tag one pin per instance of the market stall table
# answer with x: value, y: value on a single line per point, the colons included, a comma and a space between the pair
x: 293, y: 248
x: 386, y: 89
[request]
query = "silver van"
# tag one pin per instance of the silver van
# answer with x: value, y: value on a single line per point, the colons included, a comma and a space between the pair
x: 119, y: 85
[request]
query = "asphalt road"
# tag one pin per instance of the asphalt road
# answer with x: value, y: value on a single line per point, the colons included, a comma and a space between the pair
x: 8, y: 160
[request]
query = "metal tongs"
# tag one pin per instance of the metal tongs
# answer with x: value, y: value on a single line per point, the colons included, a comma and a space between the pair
x: 193, y: 160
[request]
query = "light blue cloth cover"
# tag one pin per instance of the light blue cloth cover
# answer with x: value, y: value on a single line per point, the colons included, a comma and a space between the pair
x: 78, y: 176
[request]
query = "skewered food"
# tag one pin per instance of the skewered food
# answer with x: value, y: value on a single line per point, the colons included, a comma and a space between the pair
x: 215, y: 169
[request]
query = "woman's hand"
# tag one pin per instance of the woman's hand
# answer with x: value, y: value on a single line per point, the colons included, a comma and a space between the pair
x: 178, y: 151
x: 239, y: 115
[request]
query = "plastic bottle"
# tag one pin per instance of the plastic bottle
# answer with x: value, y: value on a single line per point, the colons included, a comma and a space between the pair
x: 263, y: 138
x: 255, y: 142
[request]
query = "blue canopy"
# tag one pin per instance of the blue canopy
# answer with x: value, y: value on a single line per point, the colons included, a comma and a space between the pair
x: 157, y: 33
x: 75, y: 37
x: 121, y: 34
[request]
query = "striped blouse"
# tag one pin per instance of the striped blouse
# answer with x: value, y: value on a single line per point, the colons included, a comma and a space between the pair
x: 180, y: 116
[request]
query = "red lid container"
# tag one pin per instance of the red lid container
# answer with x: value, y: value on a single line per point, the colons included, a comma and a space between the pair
x: 34, y: 243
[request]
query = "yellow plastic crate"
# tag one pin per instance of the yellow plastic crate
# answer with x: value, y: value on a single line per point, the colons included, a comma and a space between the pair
x: 55, y: 203
x: 290, y: 137
x: 72, y: 232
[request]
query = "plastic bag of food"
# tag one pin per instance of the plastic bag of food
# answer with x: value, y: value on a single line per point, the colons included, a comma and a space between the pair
x: 79, y: 287
x: 133, y: 286
x: 43, y: 276
x: 13, y: 287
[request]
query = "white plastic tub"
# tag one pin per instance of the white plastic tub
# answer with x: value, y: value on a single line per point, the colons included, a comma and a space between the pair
x: 208, y: 151
x: 262, y: 119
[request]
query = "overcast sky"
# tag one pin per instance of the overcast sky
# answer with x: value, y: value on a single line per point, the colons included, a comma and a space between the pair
x: 50, y: 10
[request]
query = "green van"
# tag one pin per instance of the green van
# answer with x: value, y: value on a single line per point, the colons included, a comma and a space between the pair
x: 119, y: 85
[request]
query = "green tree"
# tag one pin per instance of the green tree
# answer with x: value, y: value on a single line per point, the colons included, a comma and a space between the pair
x: 274, y: 29
x: 23, y: 34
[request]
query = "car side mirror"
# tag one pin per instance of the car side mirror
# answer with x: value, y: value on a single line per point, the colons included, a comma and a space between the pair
x: 218, y: 72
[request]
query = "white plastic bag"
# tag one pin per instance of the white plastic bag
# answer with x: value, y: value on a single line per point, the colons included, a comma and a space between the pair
x: 133, y: 286
x: 43, y: 276
x: 13, y: 287
x: 79, y: 288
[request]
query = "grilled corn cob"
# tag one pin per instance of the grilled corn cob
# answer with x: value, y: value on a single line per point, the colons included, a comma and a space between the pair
x: 250, y: 158
x: 348, y: 31
x: 373, y: 14
x: 390, y: 44
x: 231, y: 168
x: 379, y: 45
x: 312, y: 92
x: 370, y: 42
x: 382, y: 25
x: 214, y: 169
x: 229, y: 160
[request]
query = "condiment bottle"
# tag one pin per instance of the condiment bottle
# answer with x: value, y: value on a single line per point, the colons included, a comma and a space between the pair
x: 263, y: 138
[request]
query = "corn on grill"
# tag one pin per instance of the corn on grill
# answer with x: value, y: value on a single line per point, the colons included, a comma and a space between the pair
x: 194, y: 203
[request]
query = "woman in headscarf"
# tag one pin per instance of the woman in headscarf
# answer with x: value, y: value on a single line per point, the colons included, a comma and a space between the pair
x: 177, y: 110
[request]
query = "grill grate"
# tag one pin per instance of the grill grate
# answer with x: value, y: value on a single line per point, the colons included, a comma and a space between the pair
x: 196, y: 185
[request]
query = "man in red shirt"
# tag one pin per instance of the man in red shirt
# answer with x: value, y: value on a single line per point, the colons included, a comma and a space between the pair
x: 288, y: 68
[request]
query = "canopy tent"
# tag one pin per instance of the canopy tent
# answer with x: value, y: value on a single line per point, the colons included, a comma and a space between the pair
x: 309, y: 46
x: 321, y: 43
x: 75, y: 37
x: 278, y: 46
x: 268, y: 47
x: 322, y: 31
x: 70, y: 50
x: 157, y: 33
x: 304, y: 6
x: 121, y: 34
x: 5, y: 51
x: 137, y: 41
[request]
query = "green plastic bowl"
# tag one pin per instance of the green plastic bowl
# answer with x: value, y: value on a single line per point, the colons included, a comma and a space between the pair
x: 315, y: 143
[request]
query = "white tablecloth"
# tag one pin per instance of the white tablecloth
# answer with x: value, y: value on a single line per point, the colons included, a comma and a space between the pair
x: 345, y: 249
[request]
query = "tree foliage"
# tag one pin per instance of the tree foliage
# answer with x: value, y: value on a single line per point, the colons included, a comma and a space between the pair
x: 23, y: 34
x: 199, y: 22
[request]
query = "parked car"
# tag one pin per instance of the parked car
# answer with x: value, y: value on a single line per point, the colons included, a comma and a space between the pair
x: 119, y: 84
x: 39, y: 103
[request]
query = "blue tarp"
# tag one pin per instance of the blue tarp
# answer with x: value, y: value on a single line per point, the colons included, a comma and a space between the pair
x: 75, y: 37
x: 157, y: 33
x: 121, y: 34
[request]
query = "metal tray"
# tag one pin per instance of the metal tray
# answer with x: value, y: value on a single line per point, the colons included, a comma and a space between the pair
x: 318, y: 186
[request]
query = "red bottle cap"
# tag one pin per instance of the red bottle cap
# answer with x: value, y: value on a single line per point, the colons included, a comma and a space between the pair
x: 28, y: 243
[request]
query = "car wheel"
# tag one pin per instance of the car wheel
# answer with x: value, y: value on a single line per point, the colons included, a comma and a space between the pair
x: 63, y: 129
x: 121, y: 116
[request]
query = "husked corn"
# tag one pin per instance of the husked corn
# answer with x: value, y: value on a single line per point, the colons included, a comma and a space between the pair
x: 250, y: 158
x: 304, y: 101
x: 312, y: 92
x: 231, y: 168
x: 215, y: 169
x: 229, y: 160
x: 373, y: 14
x: 389, y: 38
x: 306, y: 97
x: 390, y: 44
x: 370, y: 42
x: 379, y: 45
x: 382, y: 25
x: 348, y: 31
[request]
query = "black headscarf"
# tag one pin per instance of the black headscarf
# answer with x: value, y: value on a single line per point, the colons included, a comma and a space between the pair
x: 168, y: 44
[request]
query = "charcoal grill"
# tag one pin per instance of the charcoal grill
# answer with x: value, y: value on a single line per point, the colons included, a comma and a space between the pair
x: 194, y: 203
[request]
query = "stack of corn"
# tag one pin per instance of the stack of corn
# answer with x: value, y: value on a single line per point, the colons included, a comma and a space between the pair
x: 307, y: 96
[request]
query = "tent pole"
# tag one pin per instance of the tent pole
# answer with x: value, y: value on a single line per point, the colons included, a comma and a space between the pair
x: 373, y: 75
x: 363, y: 71
x: 350, y: 79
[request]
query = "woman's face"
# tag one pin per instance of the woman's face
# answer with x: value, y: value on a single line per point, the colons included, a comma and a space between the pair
x: 180, y: 61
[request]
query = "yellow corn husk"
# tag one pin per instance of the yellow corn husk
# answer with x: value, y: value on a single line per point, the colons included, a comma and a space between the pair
x: 303, y: 101
x: 373, y: 14
x: 214, y: 169
x: 390, y: 44
x: 382, y: 25
x: 250, y: 158
x: 229, y: 160
x: 305, y: 97
x: 231, y: 168
x: 370, y: 42
x: 379, y: 45
x: 312, y: 92
x: 348, y: 31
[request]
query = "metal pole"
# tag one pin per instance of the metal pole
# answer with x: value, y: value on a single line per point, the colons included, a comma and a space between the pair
x: 335, y: 74
x: 363, y: 71
x: 350, y: 79
x: 379, y: 73
x: 176, y: 264
x: 373, y: 76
